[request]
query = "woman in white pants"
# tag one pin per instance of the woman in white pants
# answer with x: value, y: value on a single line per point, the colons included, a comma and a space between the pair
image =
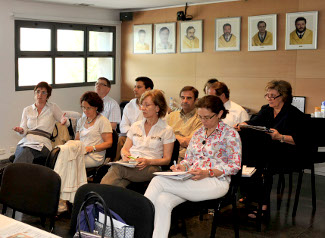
x: 214, y: 153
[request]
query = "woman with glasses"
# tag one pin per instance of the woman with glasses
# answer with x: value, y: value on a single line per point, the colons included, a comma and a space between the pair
x: 277, y: 150
x: 149, y: 142
x: 36, y: 127
x: 213, y: 155
x: 94, y: 130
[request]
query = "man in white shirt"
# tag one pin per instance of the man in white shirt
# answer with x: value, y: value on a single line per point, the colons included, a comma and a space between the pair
x: 237, y: 113
x: 111, y: 108
x: 132, y: 112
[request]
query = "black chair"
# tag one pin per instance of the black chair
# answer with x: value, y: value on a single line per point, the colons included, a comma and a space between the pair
x: 141, y: 187
x: 216, y: 204
x: 31, y: 189
x: 132, y: 207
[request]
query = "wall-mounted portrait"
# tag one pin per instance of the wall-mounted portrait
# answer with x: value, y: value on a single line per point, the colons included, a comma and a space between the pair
x: 227, y: 37
x: 191, y: 36
x: 165, y: 38
x: 301, y: 30
x: 262, y: 32
x: 142, y: 39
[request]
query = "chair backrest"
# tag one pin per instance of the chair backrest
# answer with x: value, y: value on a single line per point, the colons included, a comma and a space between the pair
x: 111, y: 152
x: 52, y: 157
x: 132, y: 207
x: 30, y: 188
x: 175, y: 155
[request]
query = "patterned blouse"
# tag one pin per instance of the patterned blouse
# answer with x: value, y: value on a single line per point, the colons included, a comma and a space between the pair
x: 221, y: 150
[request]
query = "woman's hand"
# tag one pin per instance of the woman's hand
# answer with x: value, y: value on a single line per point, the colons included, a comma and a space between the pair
x: 177, y: 168
x: 125, y: 156
x: 89, y: 149
x: 237, y: 126
x: 275, y: 135
x: 18, y: 129
x: 63, y: 119
x: 142, y: 163
x: 199, y: 174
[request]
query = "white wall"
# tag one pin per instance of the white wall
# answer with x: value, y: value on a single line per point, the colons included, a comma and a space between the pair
x: 12, y: 102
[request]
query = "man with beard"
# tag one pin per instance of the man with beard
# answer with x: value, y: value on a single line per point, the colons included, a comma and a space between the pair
x: 186, y: 121
x: 262, y: 37
x: 190, y: 41
x: 164, y: 43
x: 227, y: 39
x: 301, y: 35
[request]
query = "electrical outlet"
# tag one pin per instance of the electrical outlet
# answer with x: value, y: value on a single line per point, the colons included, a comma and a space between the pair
x: 2, y: 151
x: 12, y: 149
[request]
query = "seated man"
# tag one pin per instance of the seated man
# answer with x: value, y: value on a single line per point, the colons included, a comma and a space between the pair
x: 111, y: 108
x: 132, y: 112
x: 237, y: 113
x: 186, y: 121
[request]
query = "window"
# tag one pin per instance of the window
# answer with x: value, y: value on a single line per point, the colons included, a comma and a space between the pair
x: 64, y: 55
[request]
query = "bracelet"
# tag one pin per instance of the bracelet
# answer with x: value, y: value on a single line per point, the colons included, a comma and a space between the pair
x: 94, y: 148
x: 282, y: 139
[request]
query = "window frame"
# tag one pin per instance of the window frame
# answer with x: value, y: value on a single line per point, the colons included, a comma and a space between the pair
x: 53, y: 53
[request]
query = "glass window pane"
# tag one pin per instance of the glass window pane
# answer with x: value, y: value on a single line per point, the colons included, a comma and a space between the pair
x: 100, y: 41
x: 99, y: 67
x: 34, y: 39
x: 70, y: 40
x: 69, y: 70
x: 31, y: 71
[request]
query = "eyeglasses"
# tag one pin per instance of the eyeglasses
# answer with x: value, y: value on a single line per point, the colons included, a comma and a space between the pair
x: 146, y: 105
x: 266, y: 96
x: 40, y: 92
x: 206, y: 118
x: 86, y: 108
x: 101, y: 84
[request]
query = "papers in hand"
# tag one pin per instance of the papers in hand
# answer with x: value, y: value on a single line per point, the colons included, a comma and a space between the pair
x: 257, y: 128
x: 34, y: 145
x: 129, y: 164
x: 175, y: 175
x: 248, y: 171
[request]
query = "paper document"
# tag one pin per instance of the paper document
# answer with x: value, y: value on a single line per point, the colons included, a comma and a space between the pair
x: 257, y: 128
x: 129, y: 164
x: 116, y: 223
x: 34, y: 145
x: 175, y: 175
x: 248, y: 171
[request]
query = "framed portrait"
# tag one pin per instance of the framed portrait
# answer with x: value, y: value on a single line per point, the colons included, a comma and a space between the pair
x: 301, y: 30
x: 165, y: 38
x: 227, y: 37
x: 142, y: 39
x: 262, y: 32
x: 191, y: 36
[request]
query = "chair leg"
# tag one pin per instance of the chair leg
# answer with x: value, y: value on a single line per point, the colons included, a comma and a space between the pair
x: 313, y: 188
x: 235, y: 217
x: 52, y: 222
x: 4, y: 209
x: 290, y: 184
x: 215, y: 221
x: 280, y: 190
x: 295, y: 206
x: 13, y: 213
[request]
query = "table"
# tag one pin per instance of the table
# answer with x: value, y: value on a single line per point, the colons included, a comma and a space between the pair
x: 12, y: 228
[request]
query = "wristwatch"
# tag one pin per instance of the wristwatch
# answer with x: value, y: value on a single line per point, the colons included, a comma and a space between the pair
x: 94, y: 148
x: 211, y: 174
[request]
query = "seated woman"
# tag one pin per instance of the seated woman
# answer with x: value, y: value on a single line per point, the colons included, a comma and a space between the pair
x: 214, y: 153
x: 36, y: 126
x: 285, y: 122
x: 151, y: 141
x: 94, y: 130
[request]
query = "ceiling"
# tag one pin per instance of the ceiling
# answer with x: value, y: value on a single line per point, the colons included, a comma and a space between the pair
x: 133, y: 5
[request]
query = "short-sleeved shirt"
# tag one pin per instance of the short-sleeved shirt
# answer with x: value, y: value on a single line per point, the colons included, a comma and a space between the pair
x: 131, y: 114
x: 111, y: 110
x: 237, y: 114
x: 93, y: 135
x: 150, y: 146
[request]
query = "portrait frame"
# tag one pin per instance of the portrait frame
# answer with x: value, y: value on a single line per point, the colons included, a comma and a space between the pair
x: 311, y: 26
x: 171, y: 44
x: 270, y: 40
x: 198, y: 34
x: 144, y: 47
x: 220, y: 43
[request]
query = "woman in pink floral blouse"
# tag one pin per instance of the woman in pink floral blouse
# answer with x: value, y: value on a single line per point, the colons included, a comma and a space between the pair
x: 213, y: 155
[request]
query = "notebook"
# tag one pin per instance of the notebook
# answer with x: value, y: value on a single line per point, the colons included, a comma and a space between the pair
x: 175, y: 175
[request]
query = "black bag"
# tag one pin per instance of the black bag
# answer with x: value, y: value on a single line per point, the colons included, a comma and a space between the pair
x: 97, y: 200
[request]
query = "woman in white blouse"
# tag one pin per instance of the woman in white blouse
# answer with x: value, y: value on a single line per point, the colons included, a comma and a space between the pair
x: 150, y: 141
x: 36, y: 126
x: 94, y: 129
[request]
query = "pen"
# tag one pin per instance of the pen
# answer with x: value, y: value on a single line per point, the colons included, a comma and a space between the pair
x: 175, y: 164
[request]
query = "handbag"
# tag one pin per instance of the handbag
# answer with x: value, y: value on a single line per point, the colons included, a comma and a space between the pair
x: 86, y: 228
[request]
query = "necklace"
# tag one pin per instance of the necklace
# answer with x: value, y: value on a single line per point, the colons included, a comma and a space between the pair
x: 90, y: 120
x: 207, y: 136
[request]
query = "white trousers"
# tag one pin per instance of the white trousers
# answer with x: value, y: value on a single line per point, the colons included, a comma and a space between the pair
x: 166, y: 194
